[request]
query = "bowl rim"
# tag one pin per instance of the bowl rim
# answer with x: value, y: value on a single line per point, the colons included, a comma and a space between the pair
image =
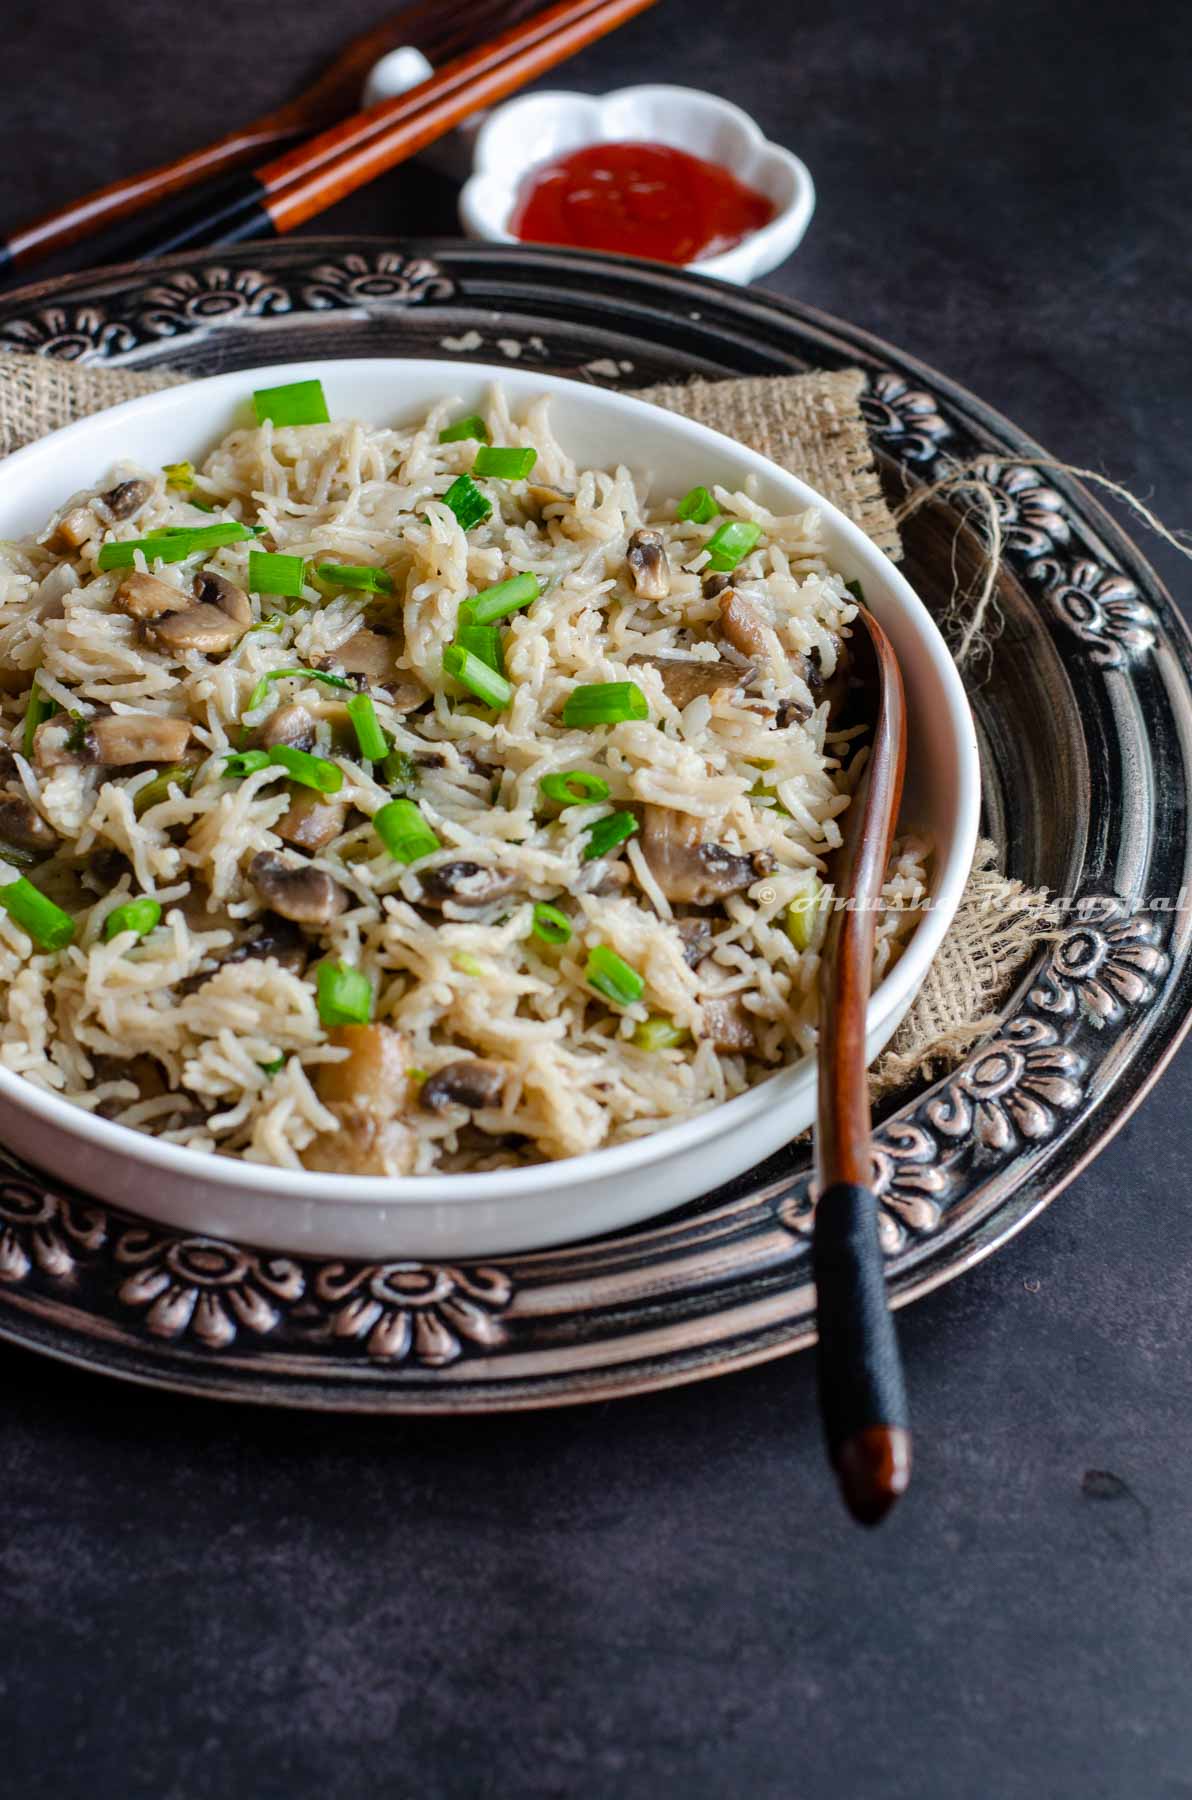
x: 888, y: 1000
x: 791, y: 218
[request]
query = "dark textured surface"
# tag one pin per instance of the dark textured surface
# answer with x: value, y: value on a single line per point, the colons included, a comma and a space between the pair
x: 662, y: 1596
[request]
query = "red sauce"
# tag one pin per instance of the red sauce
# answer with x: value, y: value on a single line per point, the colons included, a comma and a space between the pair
x: 638, y: 200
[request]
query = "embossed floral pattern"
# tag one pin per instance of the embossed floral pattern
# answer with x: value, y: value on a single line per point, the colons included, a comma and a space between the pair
x: 907, y: 419
x: 1032, y: 515
x: 1014, y: 1088
x: 204, y: 1287
x: 1101, y: 605
x: 1102, y: 967
x: 188, y: 300
x: 44, y: 1231
x: 410, y: 1310
x: 383, y: 277
x: 70, y: 333
x: 909, y: 1181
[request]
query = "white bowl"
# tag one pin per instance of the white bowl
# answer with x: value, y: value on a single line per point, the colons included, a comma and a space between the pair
x: 533, y: 129
x: 458, y: 1215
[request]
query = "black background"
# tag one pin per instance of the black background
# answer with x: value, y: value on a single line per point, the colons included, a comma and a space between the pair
x: 662, y: 1596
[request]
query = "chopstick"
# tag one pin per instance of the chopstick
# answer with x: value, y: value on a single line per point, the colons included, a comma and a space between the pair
x: 282, y: 194
x: 432, y: 26
x: 861, y: 1387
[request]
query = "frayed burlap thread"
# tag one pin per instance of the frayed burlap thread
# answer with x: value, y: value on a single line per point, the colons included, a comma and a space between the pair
x: 810, y: 424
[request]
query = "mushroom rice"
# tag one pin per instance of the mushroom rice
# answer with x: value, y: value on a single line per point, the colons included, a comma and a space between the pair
x: 395, y: 800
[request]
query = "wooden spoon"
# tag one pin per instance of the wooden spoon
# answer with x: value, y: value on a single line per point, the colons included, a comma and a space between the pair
x: 861, y: 1388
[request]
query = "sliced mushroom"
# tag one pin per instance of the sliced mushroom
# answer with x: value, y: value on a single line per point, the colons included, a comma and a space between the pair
x: 696, y: 933
x: 373, y: 658
x: 684, y: 681
x: 646, y: 557
x: 120, y: 739
x: 218, y: 618
x: 544, y: 493
x: 296, y: 890
x: 53, y: 743
x: 375, y: 1073
x: 604, y: 878
x: 365, y: 1092
x: 127, y: 497
x: 365, y: 653
x: 73, y: 530
x: 834, y: 688
x: 689, y: 870
x: 23, y: 825
x: 743, y: 625
x: 472, y: 1082
x: 792, y: 712
x: 467, y: 885
x: 289, y: 725
x: 727, y: 1025
x: 311, y: 822
x: 277, y: 938
x: 714, y: 582
x: 145, y: 597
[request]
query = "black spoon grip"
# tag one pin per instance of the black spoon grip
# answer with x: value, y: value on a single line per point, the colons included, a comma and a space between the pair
x: 862, y: 1393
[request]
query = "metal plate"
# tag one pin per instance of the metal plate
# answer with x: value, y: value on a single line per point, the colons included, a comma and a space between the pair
x: 1086, y: 725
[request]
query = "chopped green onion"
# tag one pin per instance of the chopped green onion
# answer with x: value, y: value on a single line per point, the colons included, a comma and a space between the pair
x: 611, y: 977
x: 803, y: 914
x: 175, y: 543
x: 504, y: 465
x: 269, y: 573
x: 476, y: 676
x: 18, y: 856
x: 356, y: 575
x: 323, y: 675
x: 483, y: 641
x: 179, y: 775
x: 605, y: 703
x: 295, y: 403
x: 399, y: 770
x: 345, y: 996
x: 606, y: 834
x: 506, y: 597
x: 759, y: 791
x: 467, y: 965
x: 273, y: 1068
x: 657, y: 1033
x: 245, y: 762
x: 404, y: 832
x: 309, y: 771
x: 76, y: 737
x: 552, y: 926
x: 372, y: 740
x: 698, y: 506
x: 47, y: 924
x: 471, y: 427
x: 466, y: 501
x: 573, y: 788
x: 276, y: 623
x: 731, y: 541
x: 37, y: 712
x: 856, y: 590
x: 179, y: 475
x: 135, y: 915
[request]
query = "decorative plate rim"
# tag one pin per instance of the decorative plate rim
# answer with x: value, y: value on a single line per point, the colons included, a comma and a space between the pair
x: 963, y: 1165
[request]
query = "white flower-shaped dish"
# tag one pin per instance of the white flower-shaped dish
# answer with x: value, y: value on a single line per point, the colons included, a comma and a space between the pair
x: 522, y: 133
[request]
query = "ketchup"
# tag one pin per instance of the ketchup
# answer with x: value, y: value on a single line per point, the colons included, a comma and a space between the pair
x: 638, y: 200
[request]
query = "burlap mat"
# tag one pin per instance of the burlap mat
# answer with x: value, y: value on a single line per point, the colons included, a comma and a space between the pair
x: 812, y: 425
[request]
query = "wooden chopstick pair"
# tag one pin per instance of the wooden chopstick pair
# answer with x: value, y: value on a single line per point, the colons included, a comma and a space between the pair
x: 284, y: 192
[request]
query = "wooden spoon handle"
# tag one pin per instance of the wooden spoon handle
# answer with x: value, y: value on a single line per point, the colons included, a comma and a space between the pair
x: 861, y: 1388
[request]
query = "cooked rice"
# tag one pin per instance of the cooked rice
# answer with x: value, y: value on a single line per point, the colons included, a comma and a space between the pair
x: 453, y: 984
